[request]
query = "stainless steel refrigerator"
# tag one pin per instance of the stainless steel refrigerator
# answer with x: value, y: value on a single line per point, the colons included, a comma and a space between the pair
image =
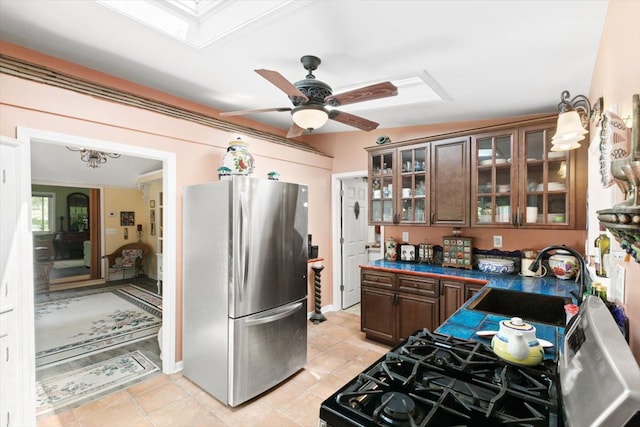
x: 245, y: 285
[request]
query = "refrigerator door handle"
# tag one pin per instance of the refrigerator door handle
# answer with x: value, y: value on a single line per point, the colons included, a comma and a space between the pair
x: 242, y: 261
x: 273, y: 317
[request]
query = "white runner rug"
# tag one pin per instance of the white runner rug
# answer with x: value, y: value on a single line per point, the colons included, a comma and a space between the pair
x: 84, y: 324
x: 74, y: 386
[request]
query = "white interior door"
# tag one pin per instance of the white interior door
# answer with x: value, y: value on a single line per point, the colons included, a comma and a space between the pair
x: 17, y: 367
x: 354, y: 237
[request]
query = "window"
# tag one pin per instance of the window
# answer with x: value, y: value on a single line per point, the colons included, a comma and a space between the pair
x: 43, y: 208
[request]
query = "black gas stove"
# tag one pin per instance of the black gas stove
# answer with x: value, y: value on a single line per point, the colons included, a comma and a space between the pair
x: 437, y: 380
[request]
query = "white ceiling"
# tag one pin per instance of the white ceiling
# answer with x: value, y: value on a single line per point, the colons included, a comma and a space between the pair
x: 488, y: 58
x: 56, y: 165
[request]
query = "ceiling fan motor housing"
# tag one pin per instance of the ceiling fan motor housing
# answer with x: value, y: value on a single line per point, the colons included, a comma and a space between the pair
x: 313, y: 89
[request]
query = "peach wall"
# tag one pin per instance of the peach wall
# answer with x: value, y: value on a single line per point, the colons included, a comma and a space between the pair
x: 199, y: 149
x: 53, y: 63
x: 512, y: 239
x: 616, y: 77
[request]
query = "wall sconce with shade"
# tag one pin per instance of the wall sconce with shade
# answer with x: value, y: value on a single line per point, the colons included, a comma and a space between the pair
x: 573, y: 121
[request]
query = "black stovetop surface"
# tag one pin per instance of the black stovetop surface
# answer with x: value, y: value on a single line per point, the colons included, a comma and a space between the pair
x: 437, y: 380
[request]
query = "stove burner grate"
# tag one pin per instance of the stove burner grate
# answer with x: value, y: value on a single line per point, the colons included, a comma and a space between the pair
x: 437, y: 380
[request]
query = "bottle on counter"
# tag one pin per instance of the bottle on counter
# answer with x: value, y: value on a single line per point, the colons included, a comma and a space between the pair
x: 599, y: 290
x: 602, y: 250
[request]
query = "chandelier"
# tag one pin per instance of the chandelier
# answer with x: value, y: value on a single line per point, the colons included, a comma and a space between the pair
x: 94, y: 158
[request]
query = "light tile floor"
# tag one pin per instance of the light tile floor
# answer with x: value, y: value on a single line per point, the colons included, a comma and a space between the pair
x: 337, y: 352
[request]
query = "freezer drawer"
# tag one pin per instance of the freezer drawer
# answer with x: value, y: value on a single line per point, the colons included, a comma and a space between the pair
x: 267, y: 348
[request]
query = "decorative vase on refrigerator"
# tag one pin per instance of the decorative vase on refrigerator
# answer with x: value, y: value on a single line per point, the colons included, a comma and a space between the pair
x: 245, y: 285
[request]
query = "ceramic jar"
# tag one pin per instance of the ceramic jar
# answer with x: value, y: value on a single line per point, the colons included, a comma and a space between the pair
x: 238, y: 159
x: 563, y: 265
x: 516, y: 342
x: 390, y: 253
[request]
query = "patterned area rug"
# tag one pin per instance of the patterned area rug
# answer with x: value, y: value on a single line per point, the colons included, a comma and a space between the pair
x: 85, y: 323
x: 71, y: 387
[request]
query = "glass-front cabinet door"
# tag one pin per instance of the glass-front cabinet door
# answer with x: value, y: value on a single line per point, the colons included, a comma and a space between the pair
x: 545, y: 180
x: 381, y: 183
x: 494, y: 162
x: 413, y: 193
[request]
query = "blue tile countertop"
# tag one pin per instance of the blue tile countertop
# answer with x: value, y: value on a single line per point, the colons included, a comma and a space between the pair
x: 464, y: 323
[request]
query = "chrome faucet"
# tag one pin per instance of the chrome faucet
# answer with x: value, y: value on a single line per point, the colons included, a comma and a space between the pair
x: 584, y: 277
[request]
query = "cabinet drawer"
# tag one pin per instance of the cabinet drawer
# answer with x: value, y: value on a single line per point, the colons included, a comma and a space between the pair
x: 378, y: 279
x: 419, y: 285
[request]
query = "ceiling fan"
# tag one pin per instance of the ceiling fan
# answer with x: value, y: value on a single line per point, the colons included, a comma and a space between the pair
x: 310, y: 97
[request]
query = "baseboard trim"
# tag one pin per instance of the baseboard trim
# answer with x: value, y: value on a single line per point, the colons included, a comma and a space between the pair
x: 73, y: 285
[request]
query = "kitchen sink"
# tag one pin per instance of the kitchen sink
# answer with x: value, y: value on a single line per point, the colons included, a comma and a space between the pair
x: 532, y: 307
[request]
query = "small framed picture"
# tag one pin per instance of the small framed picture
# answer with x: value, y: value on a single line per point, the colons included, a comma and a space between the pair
x: 152, y: 203
x: 152, y: 216
x: 153, y: 228
x: 408, y: 253
x: 127, y: 218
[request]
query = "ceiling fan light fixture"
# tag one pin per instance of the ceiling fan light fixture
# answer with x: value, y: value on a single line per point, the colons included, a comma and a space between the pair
x: 310, y: 117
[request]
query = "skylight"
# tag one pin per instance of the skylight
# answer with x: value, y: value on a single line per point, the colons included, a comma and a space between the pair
x: 417, y: 89
x: 196, y: 22
x: 151, y: 15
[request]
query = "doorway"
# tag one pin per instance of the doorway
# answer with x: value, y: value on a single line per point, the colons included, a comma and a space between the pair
x: 350, y: 234
x: 168, y: 159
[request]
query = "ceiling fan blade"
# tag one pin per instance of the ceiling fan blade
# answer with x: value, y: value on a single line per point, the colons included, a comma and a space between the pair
x: 367, y: 93
x: 294, y: 131
x: 278, y: 80
x: 352, y: 120
x: 264, y: 110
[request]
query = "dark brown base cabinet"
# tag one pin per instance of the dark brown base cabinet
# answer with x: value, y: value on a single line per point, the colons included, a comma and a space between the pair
x: 454, y: 295
x: 395, y: 305
x: 415, y: 313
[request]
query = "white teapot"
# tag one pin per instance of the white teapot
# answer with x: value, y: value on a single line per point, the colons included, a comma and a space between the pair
x: 516, y: 342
